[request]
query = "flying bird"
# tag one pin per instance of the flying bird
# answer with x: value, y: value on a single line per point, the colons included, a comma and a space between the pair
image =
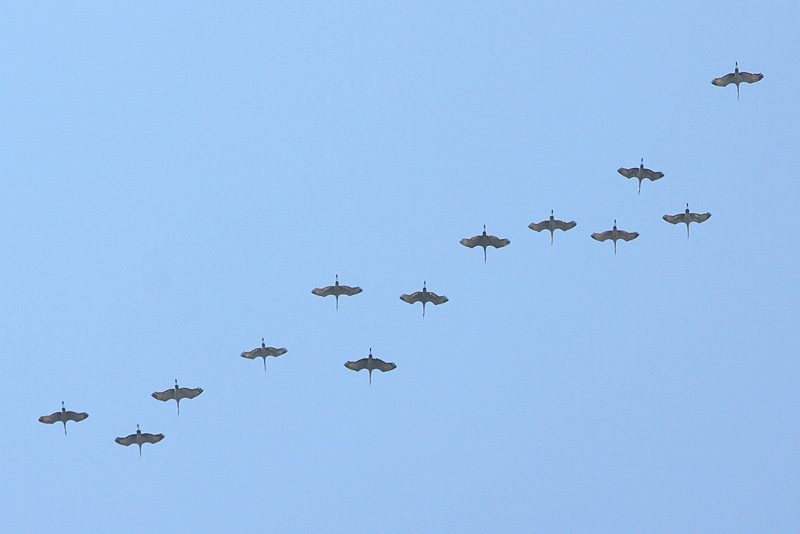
x: 484, y: 241
x: 424, y: 297
x: 370, y: 364
x: 687, y: 217
x: 641, y: 173
x: 337, y: 290
x: 615, y: 234
x: 737, y: 78
x: 177, y: 394
x: 62, y: 417
x: 263, y: 352
x: 552, y: 224
x: 139, y: 438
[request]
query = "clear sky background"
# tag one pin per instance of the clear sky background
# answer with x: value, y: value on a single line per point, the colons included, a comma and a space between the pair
x: 178, y: 178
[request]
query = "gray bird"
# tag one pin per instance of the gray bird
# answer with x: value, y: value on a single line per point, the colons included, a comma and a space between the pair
x: 263, y: 352
x: 484, y: 241
x: 641, y: 173
x: 552, y: 224
x: 737, y: 78
x: 687, y: 217
x: 424, y: 297
x: 139, y: 439
x: 370, y: 364
x: 615, y: 234
x: 337, y: 290
x: 177, y: 394
x: 62, y: 417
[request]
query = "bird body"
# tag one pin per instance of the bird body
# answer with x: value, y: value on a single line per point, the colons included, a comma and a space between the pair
x: 687, y: 217
x: 337, y: 290
x: 63, y: 416
x: 484, y: 241
x: 615, y: 235
x: 424, y: 297
x: 737, y: 78
x: 263, y: 352
x: 370, y: 364
x: 140, y: 438
x: 640, y: 173
x: 552, y: 225
x: 177, y: 393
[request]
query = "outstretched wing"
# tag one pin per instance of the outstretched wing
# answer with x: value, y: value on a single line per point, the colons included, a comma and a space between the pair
x: 497, y: 242
x: 383, y: 366
x: 272, y: 351
x: 412, y: 298
x: 350, y: 291
x: 472, y: 242
x: 189, y: 393
x: 357, y: 365
x: 561, y: 225
x: 127, y: 440
x: 700, y: 217
x: 749, y: 77
x: 436, y: 299
x: 50, y: 419
x: 653, y: 175
x: 627, y: 236
x: 538, y: 227
x: 75, y: 416
x: 151, y: 438
x: 725, y: 80
x: 602, y: 236
x: 165, y: 395
x: 323, y: 292
x: 675, y: 219
x: 252, y: 354
x: 628, y: 173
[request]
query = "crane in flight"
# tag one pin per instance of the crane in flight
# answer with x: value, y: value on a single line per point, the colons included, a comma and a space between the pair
x: 370, y: 364
x: 62, y: 417
x: 484, y: 241
x: 177, y: 393
x: 140, y: 438
x: 424, y: 297
x: 737, y: 78
x: 615, y: 234
x: 552, y: 224
x: 337, y: 290
x: 262, y: 352
x: 687, y: 217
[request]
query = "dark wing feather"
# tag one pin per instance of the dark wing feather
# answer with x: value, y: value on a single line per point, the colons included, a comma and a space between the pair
x: 675, y: 219
x: 538, y: 227
x: 127, y: 440
x: 75, y: 416
x: 653, y: 175
x: 357, y: 365
x: 50, y: 419
x: 252, y: 354
x: 164, y: 395
x: 151, y: 438
x: 722, y: 82
x: 412, y: 298
x: 700, y: 217
x: 272, y: 351
x: 561, y: 225
x: 436, y: 299
x: 350, y: 291
x: 472, y: 242
x: 749, y: 77
x: 627, y: 236
x: 189, y: 393
x: 383, y: 366
x: 323, y: 292
x: 628, y: 173
x: 602, y: 236
x: 497, y: 242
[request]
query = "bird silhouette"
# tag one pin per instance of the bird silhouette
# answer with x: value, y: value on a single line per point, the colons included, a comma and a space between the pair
x: 63, y: 416
x: 737, y: 78
x: 370, y: 364
x: 177, y: 394
x: 263, y: 352
x: 687, y: 217
x: 641, y: 173
x: 424, y: 297
x: 615, y: 234
x: 337, y: 290
x: 139, y: 439
x: 484, y: 241
x: 552, y: 224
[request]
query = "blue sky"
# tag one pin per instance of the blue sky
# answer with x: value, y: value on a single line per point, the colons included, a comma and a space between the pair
x: 178, y: 178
